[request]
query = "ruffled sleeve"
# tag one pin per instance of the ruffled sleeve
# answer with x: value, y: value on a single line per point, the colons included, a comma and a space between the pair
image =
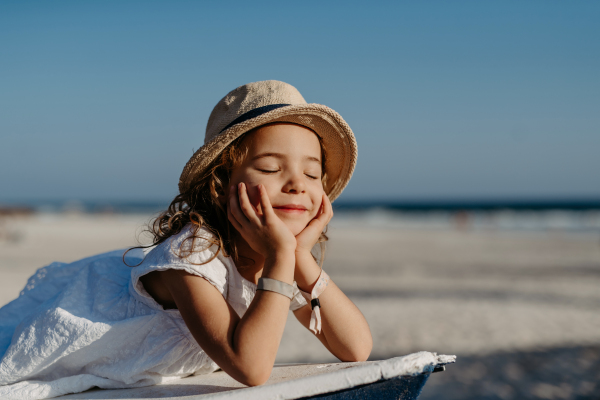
x: 201, y: 262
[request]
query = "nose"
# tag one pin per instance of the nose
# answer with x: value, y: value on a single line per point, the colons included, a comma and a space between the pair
x: 295, y: 184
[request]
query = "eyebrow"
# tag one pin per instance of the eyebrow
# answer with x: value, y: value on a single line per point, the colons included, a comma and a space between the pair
x: 279, y: 155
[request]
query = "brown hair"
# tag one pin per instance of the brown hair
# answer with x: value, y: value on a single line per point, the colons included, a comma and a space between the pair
x: 202, y: 206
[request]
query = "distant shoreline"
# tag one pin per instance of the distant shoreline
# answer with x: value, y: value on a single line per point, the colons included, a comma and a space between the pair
x: 407, y: 206
x: 473, y: 205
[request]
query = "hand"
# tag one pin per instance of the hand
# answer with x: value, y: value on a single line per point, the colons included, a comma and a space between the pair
x: 309, y: 236
x: 265, y: 232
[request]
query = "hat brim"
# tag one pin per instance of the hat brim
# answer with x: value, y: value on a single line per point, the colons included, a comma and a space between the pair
x: 336, y: 135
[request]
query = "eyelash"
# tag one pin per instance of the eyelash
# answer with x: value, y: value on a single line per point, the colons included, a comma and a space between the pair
x: 266, y: 171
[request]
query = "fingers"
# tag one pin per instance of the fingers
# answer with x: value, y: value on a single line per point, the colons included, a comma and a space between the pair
x: 245, y: 204
x: 265, y: 203
x: 323, y: 216
x: 327, y: 207
x: 326, y: 211
x: 234, y: 222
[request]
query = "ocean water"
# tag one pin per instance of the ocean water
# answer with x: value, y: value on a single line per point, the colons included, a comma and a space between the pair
x: 541, y: 220
x: 573, y: 216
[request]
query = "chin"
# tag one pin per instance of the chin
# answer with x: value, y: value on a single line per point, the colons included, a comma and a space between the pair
x: 296, y: 227
x: 296, y: 231
x: 295, y: 223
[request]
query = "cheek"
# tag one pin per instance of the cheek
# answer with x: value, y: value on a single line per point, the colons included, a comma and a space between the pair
x: 251, y: 183
x: 253, y: 193
x: 317, y: 199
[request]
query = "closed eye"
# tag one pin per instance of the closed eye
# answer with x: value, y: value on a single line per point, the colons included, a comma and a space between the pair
x: 312, y: 177
x: 266, y: 171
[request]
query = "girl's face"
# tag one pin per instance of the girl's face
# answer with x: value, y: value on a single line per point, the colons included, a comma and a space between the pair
x: 286, y: 159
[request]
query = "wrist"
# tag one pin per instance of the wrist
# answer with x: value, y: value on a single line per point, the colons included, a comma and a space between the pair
x: 307, y: 272
x: 280, y: 257
x: 280, y: 266
x: 303, y: 253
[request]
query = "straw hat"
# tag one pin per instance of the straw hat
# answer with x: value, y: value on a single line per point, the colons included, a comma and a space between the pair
x: 260, y: 103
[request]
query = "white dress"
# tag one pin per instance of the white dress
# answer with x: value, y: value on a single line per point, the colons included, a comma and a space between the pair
x: 91, y: 323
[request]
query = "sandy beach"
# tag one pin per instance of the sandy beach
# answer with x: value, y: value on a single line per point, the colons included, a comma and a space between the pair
x: 519, y: 309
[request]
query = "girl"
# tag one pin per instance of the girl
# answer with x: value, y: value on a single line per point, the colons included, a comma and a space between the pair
x: 230, y: 256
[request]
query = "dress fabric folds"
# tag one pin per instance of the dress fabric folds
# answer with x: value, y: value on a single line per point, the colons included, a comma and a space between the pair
x: 91, y: 323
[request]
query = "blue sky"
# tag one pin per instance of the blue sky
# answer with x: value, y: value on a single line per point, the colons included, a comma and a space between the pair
x: 448, y: 100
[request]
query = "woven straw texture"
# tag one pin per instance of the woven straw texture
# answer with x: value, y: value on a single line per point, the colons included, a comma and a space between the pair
x: 337, y: 136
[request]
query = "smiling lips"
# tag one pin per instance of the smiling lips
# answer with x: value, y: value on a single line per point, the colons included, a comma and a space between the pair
x: 291, y: 208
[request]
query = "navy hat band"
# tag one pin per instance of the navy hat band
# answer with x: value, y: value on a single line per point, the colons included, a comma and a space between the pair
x: 253, y: 114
